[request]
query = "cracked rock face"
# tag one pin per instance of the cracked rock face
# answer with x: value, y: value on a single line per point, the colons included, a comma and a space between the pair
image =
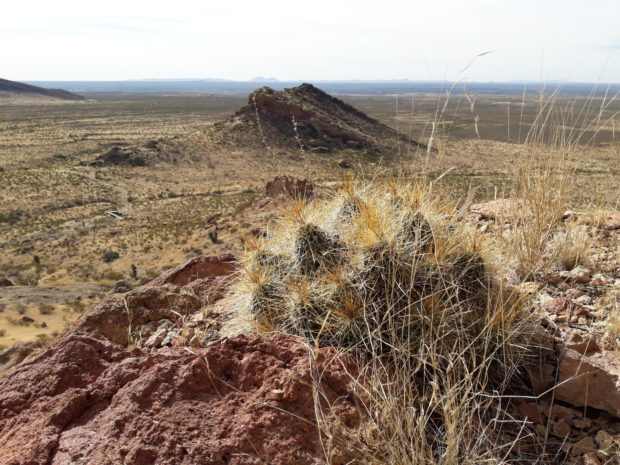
x: 246, y: 400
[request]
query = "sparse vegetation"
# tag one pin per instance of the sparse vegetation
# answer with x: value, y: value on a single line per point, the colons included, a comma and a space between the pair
x: 110, y: 255
x: 77, y: 306
x: 46, y: 309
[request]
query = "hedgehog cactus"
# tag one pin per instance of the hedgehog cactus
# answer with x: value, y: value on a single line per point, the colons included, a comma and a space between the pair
x: 371, y: 263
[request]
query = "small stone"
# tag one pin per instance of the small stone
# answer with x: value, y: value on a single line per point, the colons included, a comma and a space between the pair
x: 584, y: 300
x: 583, y: 446
x: 557, y: 306
x: 552, y: 277
x: 600, y: 280
x: 156, y: 339
x: 561, y: 429
x: 580, y: 274
x: 531, y: 411
x: 604, y: 440
x: 581, y: 424
x: 573, y: 293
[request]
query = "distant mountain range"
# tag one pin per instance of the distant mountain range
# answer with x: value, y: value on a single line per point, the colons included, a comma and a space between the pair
x: 18, y: 92
x: 369, y: 87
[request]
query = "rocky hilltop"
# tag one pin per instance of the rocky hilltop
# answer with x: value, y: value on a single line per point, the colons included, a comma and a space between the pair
x: 307, y: 118
x: 301, y: 121
x: 18, y: 92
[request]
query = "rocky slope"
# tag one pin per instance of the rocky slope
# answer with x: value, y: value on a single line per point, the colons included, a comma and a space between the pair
x: 17, y: 92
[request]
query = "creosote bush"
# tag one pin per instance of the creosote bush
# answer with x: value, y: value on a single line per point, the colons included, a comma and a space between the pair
x: 388, y: 275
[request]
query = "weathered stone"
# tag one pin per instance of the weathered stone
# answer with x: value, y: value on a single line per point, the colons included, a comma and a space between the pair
x: 289, y: 187
x: 580, y: 274
x: 89, y: 401
x: 583, y: 446
x: 591, y: 380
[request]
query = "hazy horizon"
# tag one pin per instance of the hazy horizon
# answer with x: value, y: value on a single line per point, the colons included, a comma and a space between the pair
x: 346, y: 40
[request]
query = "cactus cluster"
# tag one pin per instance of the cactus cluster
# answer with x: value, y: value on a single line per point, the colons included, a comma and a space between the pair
x: 376, y: 268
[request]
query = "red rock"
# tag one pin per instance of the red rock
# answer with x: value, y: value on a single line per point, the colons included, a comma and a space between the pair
x: 176, y: 293
x: 558, y: 305
x: 198, y: 268
x: 531, y: 411
x: 245, y: 401
x: 561, y: 305
x: 290, y: 187
x: 591, y: 380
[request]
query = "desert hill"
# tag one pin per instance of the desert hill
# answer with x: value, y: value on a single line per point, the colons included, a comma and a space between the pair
x: 308, y: 118
x: 18, y: 92
x: 302, y: 121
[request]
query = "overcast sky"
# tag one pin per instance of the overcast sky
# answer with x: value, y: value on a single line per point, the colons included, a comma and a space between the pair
x: 318, y: 39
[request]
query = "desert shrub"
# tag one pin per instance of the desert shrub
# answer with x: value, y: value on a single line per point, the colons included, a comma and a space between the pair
x: 110, y: 255
x: 77, y: 306
x: 46, y: 309
x: 43, y: 339
x: 11, y: 216
x: 29, y: 277
x: 570, y: 247
x: 24, y: 321
x: 20, y: 308
x: 388, y: 275
x: 111, y: 276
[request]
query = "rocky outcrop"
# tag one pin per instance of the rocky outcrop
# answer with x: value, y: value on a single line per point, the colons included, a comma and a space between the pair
x: 121, y: 156
x: 198, y: 268
x: 288, y: 186
x: 590, y: 380
x: 309, y: 119
x: 248, y: 400
x: 175, y: 295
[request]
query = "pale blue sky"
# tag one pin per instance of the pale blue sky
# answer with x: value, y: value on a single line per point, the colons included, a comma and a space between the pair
x: 319, y: 39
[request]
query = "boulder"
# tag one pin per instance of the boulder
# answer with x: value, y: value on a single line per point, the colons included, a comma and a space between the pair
x: 289, y: 187
x: 122, y: 287
x: 177, y: 293
x: 247, y: 400
x: 590, y: 380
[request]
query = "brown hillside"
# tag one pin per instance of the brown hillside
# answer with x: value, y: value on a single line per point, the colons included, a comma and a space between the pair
x: 18, y: 92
